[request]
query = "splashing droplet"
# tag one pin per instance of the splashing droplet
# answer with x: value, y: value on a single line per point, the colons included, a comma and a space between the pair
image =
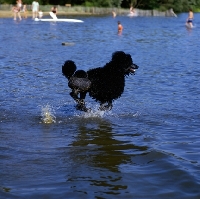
x: 47, y: 114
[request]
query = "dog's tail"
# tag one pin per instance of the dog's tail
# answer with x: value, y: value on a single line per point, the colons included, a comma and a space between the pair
x: 68, y: 69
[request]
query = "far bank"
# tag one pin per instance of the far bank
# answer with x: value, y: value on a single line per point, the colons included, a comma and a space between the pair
x: 5, y: 11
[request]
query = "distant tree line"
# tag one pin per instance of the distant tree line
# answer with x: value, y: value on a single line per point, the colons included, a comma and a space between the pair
x: 162, y: 5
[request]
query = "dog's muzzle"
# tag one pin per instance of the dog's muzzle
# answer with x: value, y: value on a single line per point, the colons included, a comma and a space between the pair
x: 132, y: 68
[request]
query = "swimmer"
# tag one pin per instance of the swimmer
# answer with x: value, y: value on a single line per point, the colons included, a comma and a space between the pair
x: 190, y: 18
x: 120, y: 28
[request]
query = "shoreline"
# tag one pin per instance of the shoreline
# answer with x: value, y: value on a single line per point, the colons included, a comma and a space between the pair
x: 9, y: 14
x: 93, y: 12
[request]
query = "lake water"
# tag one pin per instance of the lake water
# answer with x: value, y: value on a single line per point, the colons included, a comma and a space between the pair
x: 147, y: 146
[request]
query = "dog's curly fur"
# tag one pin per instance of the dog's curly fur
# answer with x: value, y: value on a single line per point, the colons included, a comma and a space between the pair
x: 104, y: 84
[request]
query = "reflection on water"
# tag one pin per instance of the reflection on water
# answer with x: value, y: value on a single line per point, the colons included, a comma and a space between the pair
x: 106, y: 152
x: 95, y: 148
x: 146, y: 147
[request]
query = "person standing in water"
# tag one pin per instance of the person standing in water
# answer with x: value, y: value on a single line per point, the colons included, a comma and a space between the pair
x: 132, y: 10
x: 16, y: 12
x: 40, y: 14
x: 35, y: 9
x: 24, y: 10
x: 190, y: 18
x: 120, y: 28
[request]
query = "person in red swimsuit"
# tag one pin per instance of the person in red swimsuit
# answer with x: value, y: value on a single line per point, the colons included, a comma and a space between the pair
x: 120, y: 28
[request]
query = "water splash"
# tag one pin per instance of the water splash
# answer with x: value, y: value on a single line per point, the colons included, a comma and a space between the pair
x: 137, y: 114
x: 92, y: 113
x: 47, y: 114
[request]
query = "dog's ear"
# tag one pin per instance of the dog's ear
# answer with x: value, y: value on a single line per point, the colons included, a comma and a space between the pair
x: 129, y: 59
x: 118, y: 56
x: 69, y: 68
x: 80, y: 74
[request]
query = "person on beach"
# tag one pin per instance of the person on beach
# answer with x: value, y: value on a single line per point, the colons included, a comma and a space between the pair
x: 132, y: 10
x: 190, y: 18
x: 16, y: 12
x: 114, y: 14
x: 54, y: 10
x: 35, y: 9
x: 40, y: 14
x: 24, y: 10
x: 19, y: 4
x: 172, y: 12
x: 120, y: 28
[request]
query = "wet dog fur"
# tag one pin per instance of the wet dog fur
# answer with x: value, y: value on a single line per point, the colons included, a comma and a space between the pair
x: 104, y: 84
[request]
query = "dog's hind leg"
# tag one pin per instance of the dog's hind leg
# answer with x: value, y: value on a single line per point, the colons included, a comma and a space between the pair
x: 105, y: 107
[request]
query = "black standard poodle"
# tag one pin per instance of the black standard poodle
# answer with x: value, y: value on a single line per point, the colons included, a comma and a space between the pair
x: 104, y: 84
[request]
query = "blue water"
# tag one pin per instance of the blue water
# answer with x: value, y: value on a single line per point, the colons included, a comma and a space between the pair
x: 147, y: 146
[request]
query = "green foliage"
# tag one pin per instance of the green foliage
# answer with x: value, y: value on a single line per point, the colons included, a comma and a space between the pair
x: 102, y: 3
x: 7, y: 2
x: 177, y: 5
x: 92, y: 3
x: 88, y: 4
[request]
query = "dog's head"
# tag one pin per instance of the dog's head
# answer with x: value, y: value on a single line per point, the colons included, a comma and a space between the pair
x: 124, y: 62
x: 68, y: 69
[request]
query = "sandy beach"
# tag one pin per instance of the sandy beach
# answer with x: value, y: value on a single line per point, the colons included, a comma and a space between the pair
x: 6, y: 14
x: 9, y: 14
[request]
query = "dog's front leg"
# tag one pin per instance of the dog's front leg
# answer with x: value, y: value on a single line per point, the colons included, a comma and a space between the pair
x: 81, y: 102
x: 74, y: 95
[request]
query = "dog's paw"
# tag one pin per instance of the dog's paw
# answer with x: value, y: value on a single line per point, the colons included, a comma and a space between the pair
x: 82, y: 107
x: 104, y: 107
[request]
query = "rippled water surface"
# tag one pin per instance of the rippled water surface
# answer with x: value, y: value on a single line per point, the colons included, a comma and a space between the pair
x: 146, y: 147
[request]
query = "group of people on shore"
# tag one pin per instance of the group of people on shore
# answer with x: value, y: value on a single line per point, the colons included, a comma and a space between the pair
x: 22, y: 8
